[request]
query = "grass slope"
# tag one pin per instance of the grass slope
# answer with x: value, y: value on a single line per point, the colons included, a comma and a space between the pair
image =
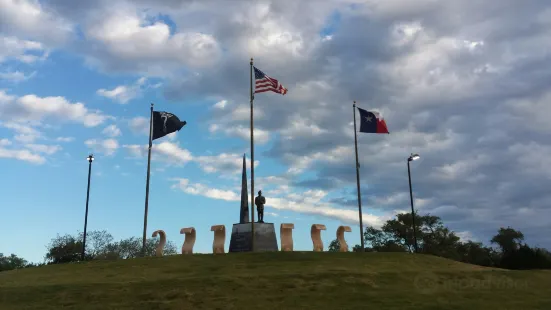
x: 282, y: 280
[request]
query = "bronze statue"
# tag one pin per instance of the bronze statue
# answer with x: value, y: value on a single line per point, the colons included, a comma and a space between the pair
x: 260, y: 201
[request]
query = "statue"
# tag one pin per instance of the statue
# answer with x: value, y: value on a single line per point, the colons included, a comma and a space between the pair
x: 260, y: 201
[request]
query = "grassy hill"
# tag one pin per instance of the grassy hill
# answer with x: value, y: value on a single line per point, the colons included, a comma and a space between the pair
x: 283, y: 280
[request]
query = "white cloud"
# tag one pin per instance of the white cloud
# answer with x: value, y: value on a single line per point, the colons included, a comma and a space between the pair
x: 202, y: 190
x: 260, y: 136
x: 16, y: 76
x: 25, y: 133
x: 43, y: 148
x: 65, y: 139
x: 125, y: 37
x: 140, y: 125
x: 107, y: 146
x: 23, y: 155
x: 223, y: 163
x: 292, y: 202
x: 111, y: 131
x: 22, y: 50
x: 165, y: 151
x: 34, y: 108
x: 5, y: 142
x: 125, y: 93
x: 30, y: 18
x: 220, y: 104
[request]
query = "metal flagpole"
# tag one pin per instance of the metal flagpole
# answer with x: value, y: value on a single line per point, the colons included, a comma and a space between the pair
x: 147, y: 181
x: 90, y: 160
x: 252, y: 160
x: 358, y: 178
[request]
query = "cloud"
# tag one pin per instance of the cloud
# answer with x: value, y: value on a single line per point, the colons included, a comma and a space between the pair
x: 202, y: 190
x: 292, y: 202
x: 223, y: 163
x: 25, y: 132
x: 34, y: 108
x: 16, y: 76
x: 125, y: 40
x: 65, y: 139
x: 111, y: 131
x: 29, y: 18
x: 23, y: 155
x: 107, y: 146
x: 139, y: 125
x: 168, y: 152
x: 469, y: 94
x: 125, y: 93
x: 43, y: 148
x: 25, y: 51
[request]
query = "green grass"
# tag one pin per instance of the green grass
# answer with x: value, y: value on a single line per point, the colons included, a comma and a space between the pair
x: 283, y: 280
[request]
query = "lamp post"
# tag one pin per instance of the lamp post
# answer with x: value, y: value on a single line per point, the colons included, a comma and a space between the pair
x: 412, y: 158
x: 90, y: 159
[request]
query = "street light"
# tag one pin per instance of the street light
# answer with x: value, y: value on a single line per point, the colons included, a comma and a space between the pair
x: 90, y: 159
x: 412, y: 158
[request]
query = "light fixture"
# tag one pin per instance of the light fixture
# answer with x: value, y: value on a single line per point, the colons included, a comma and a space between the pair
x: 90, y: 158
x: 414, y: 157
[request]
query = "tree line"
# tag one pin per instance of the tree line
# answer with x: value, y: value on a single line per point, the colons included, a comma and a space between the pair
x: 434, y: 238
x: 99, y: 245
x: 396, y: 235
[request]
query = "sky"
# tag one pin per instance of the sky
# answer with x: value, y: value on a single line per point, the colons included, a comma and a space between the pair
x: 463, y: 83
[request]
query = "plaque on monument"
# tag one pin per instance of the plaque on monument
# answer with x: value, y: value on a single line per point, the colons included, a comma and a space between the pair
x: 265, y: 237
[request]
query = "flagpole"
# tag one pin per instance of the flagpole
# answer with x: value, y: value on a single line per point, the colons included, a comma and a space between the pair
x: 252, y: 160
x: 358, y: 178
x: 147, y: 181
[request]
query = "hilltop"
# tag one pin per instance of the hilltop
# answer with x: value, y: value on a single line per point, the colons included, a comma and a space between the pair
x: 280, y: 280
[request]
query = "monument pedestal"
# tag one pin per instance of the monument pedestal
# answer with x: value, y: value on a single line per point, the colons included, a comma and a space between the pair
x: 265, y: 238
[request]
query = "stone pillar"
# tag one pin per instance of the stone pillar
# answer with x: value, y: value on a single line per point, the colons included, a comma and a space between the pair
x: 315, y: 233
x: 189, y: 241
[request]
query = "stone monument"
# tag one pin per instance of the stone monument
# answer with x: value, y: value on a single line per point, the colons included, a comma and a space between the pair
x: 264, y: 233
x: 189, y: 239
x: 162, y: 242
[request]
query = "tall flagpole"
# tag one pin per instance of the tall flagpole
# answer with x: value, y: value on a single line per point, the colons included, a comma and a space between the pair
x: 147, y: 181
x: 358, y: 178
x: 252, y: 160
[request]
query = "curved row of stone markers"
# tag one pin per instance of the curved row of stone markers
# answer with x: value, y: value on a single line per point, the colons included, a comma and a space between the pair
x: 285, y: 234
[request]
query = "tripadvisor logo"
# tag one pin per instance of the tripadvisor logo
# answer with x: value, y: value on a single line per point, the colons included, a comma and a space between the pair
x: 429, y: 283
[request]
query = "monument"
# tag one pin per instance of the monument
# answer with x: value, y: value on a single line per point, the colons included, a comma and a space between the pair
x: 241, y: 235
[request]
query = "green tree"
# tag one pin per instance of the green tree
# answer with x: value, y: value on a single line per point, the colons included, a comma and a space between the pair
x: 334, y: 246
x: 100, y: 245
x: 508, y: 239
x: 64, y: 249
x: 11, y: 262
x: 132, y: 247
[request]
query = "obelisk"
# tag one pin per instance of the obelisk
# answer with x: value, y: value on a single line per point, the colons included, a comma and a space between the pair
x: 244, y: 214
x: 265, y: 237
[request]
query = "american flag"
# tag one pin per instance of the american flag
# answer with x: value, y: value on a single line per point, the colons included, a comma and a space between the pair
x: 264, y: 83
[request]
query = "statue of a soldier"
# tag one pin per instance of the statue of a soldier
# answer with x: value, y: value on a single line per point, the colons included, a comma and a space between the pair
x: 260, y: 201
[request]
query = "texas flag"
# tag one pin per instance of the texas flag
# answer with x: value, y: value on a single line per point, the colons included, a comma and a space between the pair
x: 372, y: 122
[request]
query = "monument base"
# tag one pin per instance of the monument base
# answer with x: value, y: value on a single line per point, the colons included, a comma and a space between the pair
x: 265, y: 238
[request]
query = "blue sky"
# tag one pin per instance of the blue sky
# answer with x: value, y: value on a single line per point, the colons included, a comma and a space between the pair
x: 49, y: 199
x: 79, y: 77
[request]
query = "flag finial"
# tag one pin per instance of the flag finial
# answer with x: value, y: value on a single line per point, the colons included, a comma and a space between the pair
x: 354, y: 103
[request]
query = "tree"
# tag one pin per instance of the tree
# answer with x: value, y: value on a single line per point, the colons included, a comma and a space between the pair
x: 475, y: 253
x: 508, y: 239
x: 132, y: 248
x: 334, y: 246
x: 11, y: 262
x: 100, y: 245
x: 65, y: 249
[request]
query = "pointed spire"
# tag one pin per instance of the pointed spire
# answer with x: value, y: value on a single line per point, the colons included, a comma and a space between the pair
x: 244, y: 214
